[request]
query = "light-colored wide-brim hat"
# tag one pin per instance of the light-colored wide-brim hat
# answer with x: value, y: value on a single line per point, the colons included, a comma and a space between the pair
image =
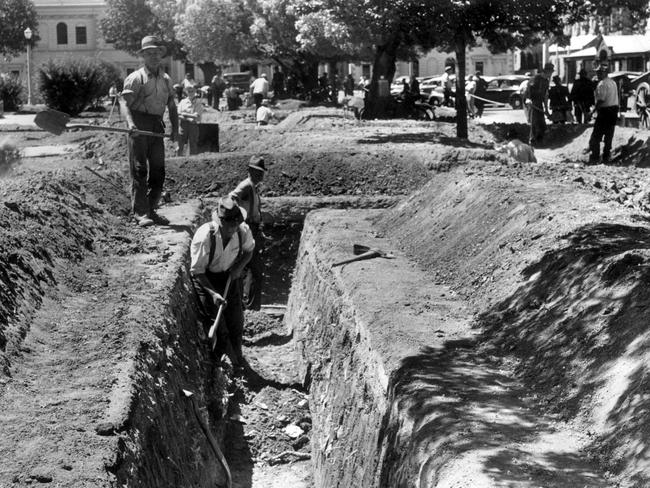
x: 152, y: 42
x: 228, y: 209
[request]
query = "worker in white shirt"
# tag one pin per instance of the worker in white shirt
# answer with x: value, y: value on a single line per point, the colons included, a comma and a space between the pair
x: 264, y: 114
x: 606, y: 116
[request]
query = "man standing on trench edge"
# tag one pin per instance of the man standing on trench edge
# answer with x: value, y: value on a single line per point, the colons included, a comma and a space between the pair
x: 221, y: 248
x: 247, y: 196
x: 536, y: 98
x: 146, y: 94
x: 606, y: 116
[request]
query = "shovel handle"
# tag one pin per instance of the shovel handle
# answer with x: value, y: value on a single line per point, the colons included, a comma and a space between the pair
x: 212, y: 334
x: 115, y: 129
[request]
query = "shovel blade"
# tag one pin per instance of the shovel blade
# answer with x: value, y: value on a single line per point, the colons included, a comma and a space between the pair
x: 52, y: 121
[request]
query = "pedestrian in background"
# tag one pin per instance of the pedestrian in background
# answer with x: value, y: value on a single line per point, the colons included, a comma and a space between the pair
x: 480, y: 92
x: 277, y: 82
x: 348, y: 85
x: 523, y: 87
x: 259, y: 90
x: 537, y: 98
x: 147, y: 92
x: 189, y: 115
x: 582, y: 96
x: 558, y: 100
x: 448, y: 86
x: 470, y: 91
x: 606, y: 110
x: 264, y: 114
x: 218, y: 86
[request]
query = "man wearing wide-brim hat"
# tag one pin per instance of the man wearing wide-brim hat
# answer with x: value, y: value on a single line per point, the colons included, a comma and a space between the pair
x: 147, y: 93
x: 606, y: 110
x: 247, y: 196
x: 219, y: 249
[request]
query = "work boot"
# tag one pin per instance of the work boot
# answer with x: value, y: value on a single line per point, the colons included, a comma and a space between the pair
x: 143, y: 220
x: 157, y: 218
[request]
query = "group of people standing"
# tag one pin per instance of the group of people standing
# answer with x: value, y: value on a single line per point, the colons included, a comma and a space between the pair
x: 601, y: 101
x: 221, y: 248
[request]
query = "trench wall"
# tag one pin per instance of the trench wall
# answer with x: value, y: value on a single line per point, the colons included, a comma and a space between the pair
x: 380, y: 339
x: 159, y: 441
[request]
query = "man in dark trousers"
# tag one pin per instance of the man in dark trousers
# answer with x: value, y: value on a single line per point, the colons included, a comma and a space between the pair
x: 606, y: 116
x: 247, y: 196
x: 537, y: 100
x: 582, y: 96
x: 147, y: 93
x: 219, y: 249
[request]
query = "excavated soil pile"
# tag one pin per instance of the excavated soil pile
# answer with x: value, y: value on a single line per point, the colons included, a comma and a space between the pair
x: 91, y: 306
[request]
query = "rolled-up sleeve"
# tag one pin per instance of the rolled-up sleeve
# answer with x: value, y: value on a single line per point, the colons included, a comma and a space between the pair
x: 248, y: 242
x: 132, y: 84
x: 200, y: 250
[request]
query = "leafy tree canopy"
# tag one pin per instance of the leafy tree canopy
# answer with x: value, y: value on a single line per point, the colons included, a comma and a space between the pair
x: 15, y: 17
x: 127, y: 21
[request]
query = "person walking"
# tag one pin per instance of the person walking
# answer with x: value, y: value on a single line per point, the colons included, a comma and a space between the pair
x: 247, y: 197
x: 189, y: 115
x: 147, y: 92
x: 558, y: 100
x: 582, y: 96
x: 606, y: 110
x: 448, y: 86
x: 348, y: 85
x: 537, y: 99
x: 221, y: 249
x: 217, y: 85
x: 523, y: 87
x: 259, y: 90
x: 470, y: 91
x: 481, y: 92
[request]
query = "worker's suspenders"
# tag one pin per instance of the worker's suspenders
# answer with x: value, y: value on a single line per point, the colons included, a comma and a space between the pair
x: 213, y: 243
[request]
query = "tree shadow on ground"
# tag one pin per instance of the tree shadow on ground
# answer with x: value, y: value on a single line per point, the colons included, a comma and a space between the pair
x: 579, y: 329
x: 557, y: 135
x: 423, y: 137
x: 463, y: 403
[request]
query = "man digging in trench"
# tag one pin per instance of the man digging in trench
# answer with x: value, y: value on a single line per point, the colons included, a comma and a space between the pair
x: 221, y: 248
x: 146, y: 94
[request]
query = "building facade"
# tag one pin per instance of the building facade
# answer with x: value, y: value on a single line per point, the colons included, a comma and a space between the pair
x: 70, y: 29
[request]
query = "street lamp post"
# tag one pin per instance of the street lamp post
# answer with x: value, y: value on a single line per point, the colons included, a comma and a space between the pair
x: 28, y: 36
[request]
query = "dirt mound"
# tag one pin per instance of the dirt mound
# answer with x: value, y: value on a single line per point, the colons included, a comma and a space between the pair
x: 43, y: 224
x: 559, y: 280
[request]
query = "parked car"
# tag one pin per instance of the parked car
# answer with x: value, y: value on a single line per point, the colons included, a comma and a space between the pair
x: 240, y: 80
x: 431, y: 90
x: 505, y: 89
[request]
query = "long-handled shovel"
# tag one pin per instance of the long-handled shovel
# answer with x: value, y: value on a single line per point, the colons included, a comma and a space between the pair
x: 57, y: 122
x: 498, y: 104
x: 364, y: 252
x: 211, y: 440
x: 212, y: 334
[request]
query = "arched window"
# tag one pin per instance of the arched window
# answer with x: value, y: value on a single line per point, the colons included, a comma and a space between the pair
x: 61, y: 33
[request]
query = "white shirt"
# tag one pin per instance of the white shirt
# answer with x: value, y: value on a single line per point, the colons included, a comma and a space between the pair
x: 223, y: 258
x: 187, y: 108
x: 260, y: 85
x: 607, y: 92
x: 264, y: 114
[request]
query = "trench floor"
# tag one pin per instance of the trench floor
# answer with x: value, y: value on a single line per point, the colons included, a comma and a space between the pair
x: 267, y: 435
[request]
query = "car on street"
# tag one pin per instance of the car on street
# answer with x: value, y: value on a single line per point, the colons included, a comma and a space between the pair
x: 504, y: 89
x: 431, y: 90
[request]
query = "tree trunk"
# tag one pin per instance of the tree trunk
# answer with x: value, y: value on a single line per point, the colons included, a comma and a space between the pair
x: 461, y: 101
x: 209, y: 69
x: 383, y: 66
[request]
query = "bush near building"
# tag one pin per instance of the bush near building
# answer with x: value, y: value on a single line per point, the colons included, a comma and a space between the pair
x: 72, y: 85
x: 10, y: 91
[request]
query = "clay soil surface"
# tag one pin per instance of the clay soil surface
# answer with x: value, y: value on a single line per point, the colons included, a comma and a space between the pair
x: 66, y: 241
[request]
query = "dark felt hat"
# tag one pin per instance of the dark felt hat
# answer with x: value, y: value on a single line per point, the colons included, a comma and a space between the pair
x: 549, y: 67
x: 257, y: 162
x: 152, y: 42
